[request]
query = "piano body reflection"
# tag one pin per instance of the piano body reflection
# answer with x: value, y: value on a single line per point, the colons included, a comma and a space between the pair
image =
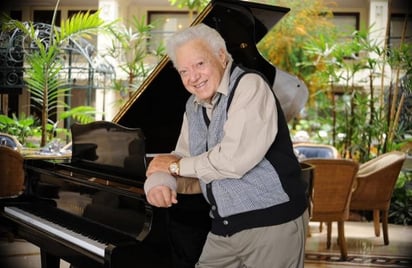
x: 91, y: 211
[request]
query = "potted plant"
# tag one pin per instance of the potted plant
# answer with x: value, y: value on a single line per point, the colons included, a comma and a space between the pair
x: 44, y: 61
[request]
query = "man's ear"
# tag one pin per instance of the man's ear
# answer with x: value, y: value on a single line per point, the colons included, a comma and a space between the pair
x: 223, y: 57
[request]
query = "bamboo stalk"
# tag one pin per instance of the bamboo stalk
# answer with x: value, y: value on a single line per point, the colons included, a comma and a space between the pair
x: 385, y: 44
x: 396, y: 121
x: 393, y: 123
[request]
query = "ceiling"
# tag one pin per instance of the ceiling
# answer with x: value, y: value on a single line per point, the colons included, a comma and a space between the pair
x: 52, y: 3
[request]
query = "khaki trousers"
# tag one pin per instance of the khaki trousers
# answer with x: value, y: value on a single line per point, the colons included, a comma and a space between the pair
x: 279, y: 246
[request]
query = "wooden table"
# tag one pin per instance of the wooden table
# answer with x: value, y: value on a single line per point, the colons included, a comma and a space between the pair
x: 33, y: 154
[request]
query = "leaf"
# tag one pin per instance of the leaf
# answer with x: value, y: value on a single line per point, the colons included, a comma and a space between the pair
x: 83, y: 114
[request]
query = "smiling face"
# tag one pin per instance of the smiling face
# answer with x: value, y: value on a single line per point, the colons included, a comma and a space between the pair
x: 200, y: 69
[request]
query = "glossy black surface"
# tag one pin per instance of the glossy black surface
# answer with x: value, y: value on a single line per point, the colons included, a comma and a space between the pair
x: 109, y: 148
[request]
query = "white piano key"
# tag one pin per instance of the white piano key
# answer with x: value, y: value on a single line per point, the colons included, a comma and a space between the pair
x: 57, y: 230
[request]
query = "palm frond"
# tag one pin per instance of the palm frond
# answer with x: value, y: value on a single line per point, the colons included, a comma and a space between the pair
x: 82, y: 24
x: 82, y: 114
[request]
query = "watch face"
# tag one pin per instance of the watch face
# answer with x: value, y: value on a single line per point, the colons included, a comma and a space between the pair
x: 174, y: 168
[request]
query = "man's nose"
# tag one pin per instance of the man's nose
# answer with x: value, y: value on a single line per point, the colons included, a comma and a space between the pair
x: 194, y: 76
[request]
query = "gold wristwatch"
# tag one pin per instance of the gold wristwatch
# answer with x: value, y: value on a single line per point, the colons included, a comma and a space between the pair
x: 174, y: 168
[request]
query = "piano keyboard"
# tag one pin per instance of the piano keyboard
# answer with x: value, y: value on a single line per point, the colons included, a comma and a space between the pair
x: 87, y: 243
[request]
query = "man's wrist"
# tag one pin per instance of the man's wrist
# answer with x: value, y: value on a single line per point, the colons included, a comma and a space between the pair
x: 174, y: 168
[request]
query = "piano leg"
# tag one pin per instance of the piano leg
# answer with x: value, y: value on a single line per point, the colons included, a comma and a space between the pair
x: 48, y: 260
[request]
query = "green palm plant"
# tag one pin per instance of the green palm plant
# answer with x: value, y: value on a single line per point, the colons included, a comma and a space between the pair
x: 129, y: 46
x: 45, y: 61
x: 21, y: 127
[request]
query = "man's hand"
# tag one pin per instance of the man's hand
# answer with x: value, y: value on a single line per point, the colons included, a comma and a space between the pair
x: 161, y: 163
x: 161, y: 196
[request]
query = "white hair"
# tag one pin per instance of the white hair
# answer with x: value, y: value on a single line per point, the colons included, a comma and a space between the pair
x: 200, y: 31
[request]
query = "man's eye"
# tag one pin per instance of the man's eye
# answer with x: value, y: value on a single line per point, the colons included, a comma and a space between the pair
x: 182, y: 73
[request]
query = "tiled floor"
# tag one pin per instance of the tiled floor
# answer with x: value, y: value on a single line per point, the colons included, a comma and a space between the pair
x: 364, y: 249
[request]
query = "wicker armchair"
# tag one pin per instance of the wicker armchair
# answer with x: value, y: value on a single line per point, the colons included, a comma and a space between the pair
x: 332, y: 187
x: 374, y: 185
x: 11, y: 172
x: 307, y: 150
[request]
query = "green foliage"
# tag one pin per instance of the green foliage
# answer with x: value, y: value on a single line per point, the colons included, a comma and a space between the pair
x: 47, y: 91
x: 21, y: 127
x: 400, y: 211
x: 284, y: 45
x: 363, y: 116
x: 82, y: 114
x: 45, y: 61
x: 130, y: 48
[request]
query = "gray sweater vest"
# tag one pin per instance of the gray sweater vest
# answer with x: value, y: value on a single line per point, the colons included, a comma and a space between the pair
x: 265, y: 191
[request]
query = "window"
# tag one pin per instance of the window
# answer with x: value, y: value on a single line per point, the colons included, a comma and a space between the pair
x: 46, y: 16
x: 16, y: 14
x: 348, y: 22
x: 396, y: 29
x: 165, y: 24
x: 11, y: 69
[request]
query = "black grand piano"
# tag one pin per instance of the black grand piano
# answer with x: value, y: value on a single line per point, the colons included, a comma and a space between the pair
x: 91, y: 211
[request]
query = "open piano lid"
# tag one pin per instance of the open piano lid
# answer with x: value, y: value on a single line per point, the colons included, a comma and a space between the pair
x: 157, y: 107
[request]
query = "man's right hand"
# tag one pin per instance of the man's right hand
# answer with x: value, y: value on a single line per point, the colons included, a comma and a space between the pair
x: 161, y: 196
